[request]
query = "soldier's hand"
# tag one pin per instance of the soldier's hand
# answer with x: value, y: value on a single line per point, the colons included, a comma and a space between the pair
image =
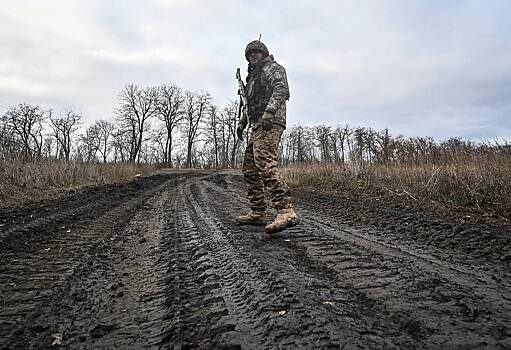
x: 267, y: 121
x: 239, y: 132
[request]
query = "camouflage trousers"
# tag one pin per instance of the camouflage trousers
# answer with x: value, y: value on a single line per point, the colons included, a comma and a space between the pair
x: 260, y: 169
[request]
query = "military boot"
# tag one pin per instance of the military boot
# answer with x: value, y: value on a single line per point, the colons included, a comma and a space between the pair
x: 252, y: 218
x: 285, y: 218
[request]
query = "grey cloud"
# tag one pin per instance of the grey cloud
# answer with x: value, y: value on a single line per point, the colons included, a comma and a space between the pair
x: 420, y: 68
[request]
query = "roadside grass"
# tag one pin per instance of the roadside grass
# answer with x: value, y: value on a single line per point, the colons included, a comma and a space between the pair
x: 21, y: 180
x: 480, y: 185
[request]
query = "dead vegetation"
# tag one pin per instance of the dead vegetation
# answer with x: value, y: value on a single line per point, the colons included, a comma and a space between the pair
x: 453, y: 174
x: 42, y: 152
x: 24, y: 180
x: 482, y: 185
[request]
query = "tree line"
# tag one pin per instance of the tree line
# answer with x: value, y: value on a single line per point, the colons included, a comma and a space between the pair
x: 154, y: 124
x: 361, y: 146
x: 175, y: 128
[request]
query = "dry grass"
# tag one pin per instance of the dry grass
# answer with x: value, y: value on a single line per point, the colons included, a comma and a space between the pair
x: 480, y: 184
x: 20, y: 181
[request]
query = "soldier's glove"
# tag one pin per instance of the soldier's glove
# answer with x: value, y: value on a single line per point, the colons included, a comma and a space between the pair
x: 239, y: 131
x: 267, y: 121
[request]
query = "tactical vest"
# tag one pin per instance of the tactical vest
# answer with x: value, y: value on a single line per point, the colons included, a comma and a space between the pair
x: 256, y: 93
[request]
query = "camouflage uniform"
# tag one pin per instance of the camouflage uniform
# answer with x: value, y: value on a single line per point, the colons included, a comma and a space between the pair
x: 267, y: 91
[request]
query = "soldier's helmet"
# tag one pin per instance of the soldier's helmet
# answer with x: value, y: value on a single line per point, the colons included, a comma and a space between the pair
x: 256, y: 45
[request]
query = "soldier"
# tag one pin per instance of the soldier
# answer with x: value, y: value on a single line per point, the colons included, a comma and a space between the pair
x: 267, y: 91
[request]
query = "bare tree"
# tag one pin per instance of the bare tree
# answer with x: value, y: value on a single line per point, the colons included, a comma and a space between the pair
x: 152, y: 147
x: 26, y: 121
x: 369, y: 144
x: 213, y: 131
x: 342, y: 135
x: 121, y: 144
x: 384, y: 146
x: 224, y: 137
x: 230, y: 120
x: 90, y: 143
x: 105, y: 134
x: 48, y: 142
x: 10, y: 146
x: 357, y: 156
x: 299, y: 144
x: 169, y: 110
x: 322, y: 134
x: 63, y: 129
x: 136, y: 106
x: 196, y: 107
x: 158, y: 141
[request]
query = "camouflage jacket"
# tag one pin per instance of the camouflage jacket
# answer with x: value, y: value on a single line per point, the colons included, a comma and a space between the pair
x: 267, y: 91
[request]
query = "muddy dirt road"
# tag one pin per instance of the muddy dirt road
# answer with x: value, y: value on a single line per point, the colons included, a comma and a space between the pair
x: 159, y: 263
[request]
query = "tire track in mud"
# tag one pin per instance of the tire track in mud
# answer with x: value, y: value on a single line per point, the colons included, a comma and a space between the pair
x: 287, y: 314
x: 44, y: 287
x: 458, y: 239
x: 27, y: 220
x: 446, y: 305
x: 436, y: 292
x: 123, y: 302
x: 265, y: 307
x: 168, y: 268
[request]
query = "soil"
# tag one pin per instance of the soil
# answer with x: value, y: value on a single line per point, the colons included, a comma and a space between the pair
x: 159, y: 263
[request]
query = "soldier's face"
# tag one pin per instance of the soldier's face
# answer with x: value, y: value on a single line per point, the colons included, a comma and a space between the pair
x: 255, y: 56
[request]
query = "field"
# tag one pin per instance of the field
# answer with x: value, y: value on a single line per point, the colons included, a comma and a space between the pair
x: 22, y: 181
x: 157, y: 262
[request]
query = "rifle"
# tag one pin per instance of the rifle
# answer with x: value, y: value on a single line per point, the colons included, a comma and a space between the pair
x: 243, y: 107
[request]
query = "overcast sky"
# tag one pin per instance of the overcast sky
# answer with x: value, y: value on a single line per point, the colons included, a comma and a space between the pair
x: 439, y: 68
